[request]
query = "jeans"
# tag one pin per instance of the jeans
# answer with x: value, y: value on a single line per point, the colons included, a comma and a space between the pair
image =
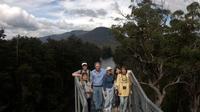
x: 123, y: 103
x: 108, y: 99
x: 98, y: 97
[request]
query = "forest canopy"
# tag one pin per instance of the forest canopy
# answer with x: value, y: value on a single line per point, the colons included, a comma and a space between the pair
x: 36, y: 76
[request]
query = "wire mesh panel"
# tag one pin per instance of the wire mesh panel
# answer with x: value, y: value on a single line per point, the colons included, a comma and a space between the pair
x: 139, y: 101
x: 80, y: 98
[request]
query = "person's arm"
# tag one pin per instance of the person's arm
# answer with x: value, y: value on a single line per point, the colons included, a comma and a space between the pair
x: 104, y: 83
x: 91, y: 79
x: 117, y: 85
x: 90, y: 76
x: 117, y: 82
x: 104, y: 88
x: 90, y: 87
x: 76, y: 74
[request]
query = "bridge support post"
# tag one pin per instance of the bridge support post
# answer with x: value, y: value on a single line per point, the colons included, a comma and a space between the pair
x: 75, y: 91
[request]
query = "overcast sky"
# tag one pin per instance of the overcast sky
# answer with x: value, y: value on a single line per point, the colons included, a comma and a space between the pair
x: 45, y: 17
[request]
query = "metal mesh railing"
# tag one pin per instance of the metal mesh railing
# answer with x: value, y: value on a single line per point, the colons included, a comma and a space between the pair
x: 138, y: 101
x: 80, y: 98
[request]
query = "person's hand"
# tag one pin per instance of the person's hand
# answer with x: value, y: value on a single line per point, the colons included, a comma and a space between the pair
x: 82, y: 82
x: 116, y: 92
x: 104, y: 93
x: 131, y: 92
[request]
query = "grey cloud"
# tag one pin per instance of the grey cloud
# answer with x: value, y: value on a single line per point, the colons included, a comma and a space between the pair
x: 116, y: 6
x: 91, y: 20
x: 22, y: 24
x: 17, y: 18
x: 101, y: 12
x: 86, y: 12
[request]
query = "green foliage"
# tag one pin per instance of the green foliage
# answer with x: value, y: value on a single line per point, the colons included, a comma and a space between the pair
x: 38, y: 78
x: 2, y: 33
x: 158, y: 53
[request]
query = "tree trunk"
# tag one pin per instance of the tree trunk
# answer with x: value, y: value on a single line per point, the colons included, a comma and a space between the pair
x: 159, y: 95
x: 159, y: 100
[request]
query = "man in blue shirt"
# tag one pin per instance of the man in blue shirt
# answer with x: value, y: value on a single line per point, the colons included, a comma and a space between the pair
x: 97, y: 76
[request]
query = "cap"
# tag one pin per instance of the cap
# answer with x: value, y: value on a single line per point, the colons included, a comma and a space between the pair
x: 108, y: 68
x: 84, y: 64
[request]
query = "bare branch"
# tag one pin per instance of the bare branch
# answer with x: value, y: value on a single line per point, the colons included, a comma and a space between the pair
x: 152, y: 86
x: 137, y: 56
x: 160, y: 74
x: 178, y: 81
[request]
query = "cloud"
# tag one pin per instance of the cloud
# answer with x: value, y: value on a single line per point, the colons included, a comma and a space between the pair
x: 46, y: 17
x: 39, y: 17
x: 86, y: 12
x: 16, y: 17
x: 174, y: 5
x: 94, y: 12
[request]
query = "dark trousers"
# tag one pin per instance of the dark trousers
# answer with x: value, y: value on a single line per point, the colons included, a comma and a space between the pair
x: 89, y: 104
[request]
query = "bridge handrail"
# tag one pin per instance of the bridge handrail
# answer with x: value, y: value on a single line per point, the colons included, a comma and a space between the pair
x: 141, y: 102
x: 80, y: 97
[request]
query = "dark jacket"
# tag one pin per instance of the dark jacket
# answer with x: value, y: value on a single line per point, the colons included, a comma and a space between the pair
x: 108, y: 81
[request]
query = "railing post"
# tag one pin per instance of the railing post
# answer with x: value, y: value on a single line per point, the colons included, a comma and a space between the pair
x: 79, y: 107
x: 75, y: 91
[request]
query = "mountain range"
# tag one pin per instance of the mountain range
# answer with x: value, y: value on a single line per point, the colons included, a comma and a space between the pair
x: 100, y: 36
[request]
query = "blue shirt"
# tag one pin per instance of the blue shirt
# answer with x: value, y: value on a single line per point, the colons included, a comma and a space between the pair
x: 97, y: 77
x: 108, y: 81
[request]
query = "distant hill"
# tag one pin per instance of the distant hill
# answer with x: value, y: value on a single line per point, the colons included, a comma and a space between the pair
x: 101, y: 36
x: 63, y: 36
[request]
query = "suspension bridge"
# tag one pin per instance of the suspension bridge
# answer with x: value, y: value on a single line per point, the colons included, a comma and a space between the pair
x: 138, y: 100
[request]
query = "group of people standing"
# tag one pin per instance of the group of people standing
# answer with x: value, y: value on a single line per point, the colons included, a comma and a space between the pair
x: 105, y: 88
